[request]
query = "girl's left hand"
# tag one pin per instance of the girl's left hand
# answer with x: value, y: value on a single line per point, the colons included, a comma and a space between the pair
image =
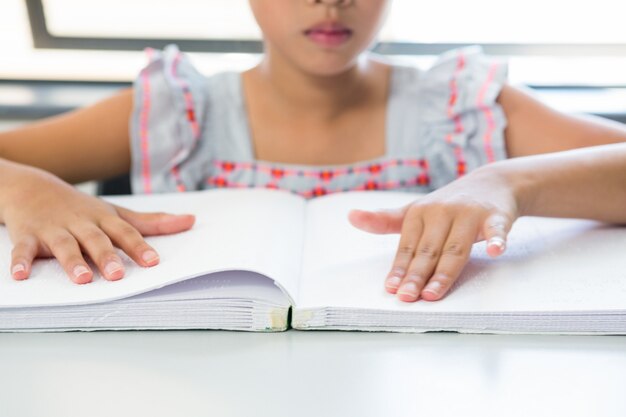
x: 438, y: 231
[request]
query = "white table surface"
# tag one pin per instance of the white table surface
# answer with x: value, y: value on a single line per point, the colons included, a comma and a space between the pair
x: 202, y: 373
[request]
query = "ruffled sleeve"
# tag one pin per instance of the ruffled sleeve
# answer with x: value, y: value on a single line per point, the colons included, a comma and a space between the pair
x: 170, y: 106
x: 462, y: 125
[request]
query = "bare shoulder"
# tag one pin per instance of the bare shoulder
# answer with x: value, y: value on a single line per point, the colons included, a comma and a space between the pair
x: 534, y: 127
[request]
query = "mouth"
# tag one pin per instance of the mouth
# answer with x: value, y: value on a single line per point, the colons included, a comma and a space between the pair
x: 329, y: 34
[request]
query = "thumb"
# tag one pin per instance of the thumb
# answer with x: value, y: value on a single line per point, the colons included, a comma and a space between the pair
x: 495, y: 231
x: 379, y: 222
x: 153, y: 224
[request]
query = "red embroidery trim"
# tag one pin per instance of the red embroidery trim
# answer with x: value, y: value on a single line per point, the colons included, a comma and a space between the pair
x: 456, y: 117
x: 144, y: 121
x: 488, y: 113
x: 227, y: 168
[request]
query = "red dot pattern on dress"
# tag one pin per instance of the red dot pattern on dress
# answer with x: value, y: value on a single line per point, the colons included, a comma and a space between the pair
x: 372, y: 176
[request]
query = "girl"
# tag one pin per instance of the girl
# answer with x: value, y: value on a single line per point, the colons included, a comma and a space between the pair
x: 317, y: 115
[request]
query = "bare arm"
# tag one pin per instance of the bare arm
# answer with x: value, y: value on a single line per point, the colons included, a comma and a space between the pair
x: 583, y: 183
x: 86, y: 144
x: 535, y: 128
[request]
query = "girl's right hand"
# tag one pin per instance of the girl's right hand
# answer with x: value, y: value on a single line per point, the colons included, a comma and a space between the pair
x: 47, y: 217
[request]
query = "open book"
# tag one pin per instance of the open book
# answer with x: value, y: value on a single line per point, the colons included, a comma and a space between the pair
x: 262, y: 260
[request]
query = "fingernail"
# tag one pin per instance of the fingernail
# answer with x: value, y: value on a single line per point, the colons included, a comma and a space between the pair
x: 17, y: 269
x: 496, y: 246
x: 112, y: 268
x: 410, y: 289
x: 497, y: 241
x: 433, y: 287
x: 79, y: 271
x: 393, y: 282
x: 150, y: 257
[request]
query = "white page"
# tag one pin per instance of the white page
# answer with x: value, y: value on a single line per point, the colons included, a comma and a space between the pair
x: 550, y: 264
x: 227, y: 285
x: 256, y: 230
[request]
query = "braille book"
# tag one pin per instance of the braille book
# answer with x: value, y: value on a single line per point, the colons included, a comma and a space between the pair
x: 266, y: 260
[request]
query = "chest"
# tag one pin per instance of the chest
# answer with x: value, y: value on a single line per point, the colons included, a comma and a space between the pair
x: 355, y: 136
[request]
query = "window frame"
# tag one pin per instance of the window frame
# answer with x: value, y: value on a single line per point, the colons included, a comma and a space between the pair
x: 43, y: 39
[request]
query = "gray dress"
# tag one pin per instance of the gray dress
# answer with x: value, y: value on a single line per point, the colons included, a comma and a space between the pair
x: 191, y: 132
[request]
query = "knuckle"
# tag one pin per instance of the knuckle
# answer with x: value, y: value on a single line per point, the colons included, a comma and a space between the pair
x: 498, y: 225
x: 414, y: 209
x: 19, y: 250
x: 428, y: 251
x: 108, y: 222
x: 91, y: 234
x: 73, y: 261
x: 125, y: 230
x: 105, y: 257
x: 139, y: 247
x: 62, y: 241
x: 23, y: 244
x: 129, y: 239
x: 448, y: 209
x: 455, y: 249
x: 406, y: 250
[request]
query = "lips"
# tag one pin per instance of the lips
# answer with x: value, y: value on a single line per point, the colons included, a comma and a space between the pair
x: 328, y: 34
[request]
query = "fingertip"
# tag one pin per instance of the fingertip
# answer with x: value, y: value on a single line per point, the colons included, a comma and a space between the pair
x: 407, y: 298
x: 150, y: 258
x: 495, y: 231
x: 369, y: 221
x: 176, y: 223
x: 116, y: 277
x: 81, y: 275
x: 433, y: 291
x: 392, y: 284
x: 352, y: 214
x: 496, y: 246
x: 81, y: 280
x: 356, y: 218
x: 19, y: 272
x: 22, y: 257
x: 428, y: 295
x: 494, y: 251
x: 114, y: 271
x: 391, y: 290
x: 188, y: 219
x: 408, y: 292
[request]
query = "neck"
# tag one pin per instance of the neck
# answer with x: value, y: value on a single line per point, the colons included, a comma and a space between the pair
x: 322, y: 96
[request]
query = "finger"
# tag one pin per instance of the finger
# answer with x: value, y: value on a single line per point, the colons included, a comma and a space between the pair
x: 64, y: 247
x: 426, y: 257
x: 22, y: 256
x: 152, y: 224
x: 455, y: 253
x: 495, y: 231
x: 100, y: 249
x: 379, y: 222
x: 127, y: 238
x: 410, y: 236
